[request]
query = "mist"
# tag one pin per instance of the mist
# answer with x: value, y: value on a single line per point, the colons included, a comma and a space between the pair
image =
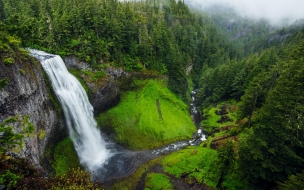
x: 277, y: 12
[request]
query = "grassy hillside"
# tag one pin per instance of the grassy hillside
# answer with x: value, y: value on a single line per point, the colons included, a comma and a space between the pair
x: 148, y: 117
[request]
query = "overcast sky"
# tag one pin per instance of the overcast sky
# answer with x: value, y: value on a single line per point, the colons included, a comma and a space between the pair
x: 272, y: 10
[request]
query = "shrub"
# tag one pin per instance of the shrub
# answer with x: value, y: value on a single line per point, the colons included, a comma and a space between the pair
x: 10, y: 140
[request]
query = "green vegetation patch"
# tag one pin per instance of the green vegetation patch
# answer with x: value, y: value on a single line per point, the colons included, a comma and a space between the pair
x: 22, y: 71
x: 197, y: 163
x: 148, y: 117
x: 216, y: 118
x: 41, y: 134
x: 3, y: 83
x: 9, y: 61
x: 157, y: 181
x: 65, y: 157
x: 85, y: 77
x: 51, y: 92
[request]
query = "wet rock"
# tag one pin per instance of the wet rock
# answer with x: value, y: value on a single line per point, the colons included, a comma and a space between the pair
x: 27, y: 94
x: 73, y: 62
x: 106, y: 94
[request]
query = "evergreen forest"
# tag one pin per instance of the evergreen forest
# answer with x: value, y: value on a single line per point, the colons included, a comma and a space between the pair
x: 248, y: 76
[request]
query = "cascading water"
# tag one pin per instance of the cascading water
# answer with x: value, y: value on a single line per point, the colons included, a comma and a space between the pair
x: 87, y: 139
x: 199, y: 136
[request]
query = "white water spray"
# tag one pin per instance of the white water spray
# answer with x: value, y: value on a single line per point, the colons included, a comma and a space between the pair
x: 90, y: 146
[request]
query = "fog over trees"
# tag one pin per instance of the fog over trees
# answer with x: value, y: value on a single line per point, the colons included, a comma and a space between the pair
x: 275, y: 11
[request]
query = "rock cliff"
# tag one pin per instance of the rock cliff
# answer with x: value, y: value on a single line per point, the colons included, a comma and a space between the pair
x: 26, y: 93
x: 102, y: 95
x: 106, y: 94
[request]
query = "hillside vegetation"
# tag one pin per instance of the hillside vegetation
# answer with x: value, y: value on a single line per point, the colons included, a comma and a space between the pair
x: 159, y: 35
x: 148, y: 117
x: 250, y: 86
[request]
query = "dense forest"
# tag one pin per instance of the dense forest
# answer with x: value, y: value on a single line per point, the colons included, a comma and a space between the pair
x: 250, y: 64
x: 134, y: 35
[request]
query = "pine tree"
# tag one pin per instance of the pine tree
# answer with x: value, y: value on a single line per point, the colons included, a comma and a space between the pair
x: 274, y: 149
x: 2, y: 14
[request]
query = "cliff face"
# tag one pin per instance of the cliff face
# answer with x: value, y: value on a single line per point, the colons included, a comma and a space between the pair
x: 26, y: 94
x: 105, y: 95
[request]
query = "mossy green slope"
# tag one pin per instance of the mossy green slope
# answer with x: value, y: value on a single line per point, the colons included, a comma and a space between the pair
x: 157, y: 181
x: 148, y: 117
x: 197, y: 163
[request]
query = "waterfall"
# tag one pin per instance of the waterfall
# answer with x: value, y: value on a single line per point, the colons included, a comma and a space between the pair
x: 87, y: 139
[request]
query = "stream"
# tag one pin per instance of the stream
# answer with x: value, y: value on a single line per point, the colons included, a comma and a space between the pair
x: 199, y: 136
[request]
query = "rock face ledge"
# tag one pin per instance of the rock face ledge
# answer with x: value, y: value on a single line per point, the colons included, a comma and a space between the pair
x: 105, y: 95
x: 27, y: 94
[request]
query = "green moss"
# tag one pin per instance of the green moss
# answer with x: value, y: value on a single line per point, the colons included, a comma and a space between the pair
x: 198, y: 163
x: 86, y: 72
x: 100, y: 74
x: 139, y: 123
x: 93, y: 75
x: 3, y: 83
x: 14, y: 41
x: 22, y: 71
x: 212, y: 117
x: 51, y: 93
x: 24, y: 52
x: 208, y: 142
x: 41, y: 134
x: 9, y: 61
x: 65, y: 157
x: 157, y: 181
x: 221, y: 133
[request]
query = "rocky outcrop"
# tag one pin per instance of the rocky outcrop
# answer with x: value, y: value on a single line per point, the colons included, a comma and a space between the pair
x: 73, y: 62
x: 279, y: 37
x: 26, y: 94
x: 105, y: 95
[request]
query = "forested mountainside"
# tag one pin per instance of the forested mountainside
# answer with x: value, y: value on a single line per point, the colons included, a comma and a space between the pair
x: 135, y: 35
x: 248, y: 77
